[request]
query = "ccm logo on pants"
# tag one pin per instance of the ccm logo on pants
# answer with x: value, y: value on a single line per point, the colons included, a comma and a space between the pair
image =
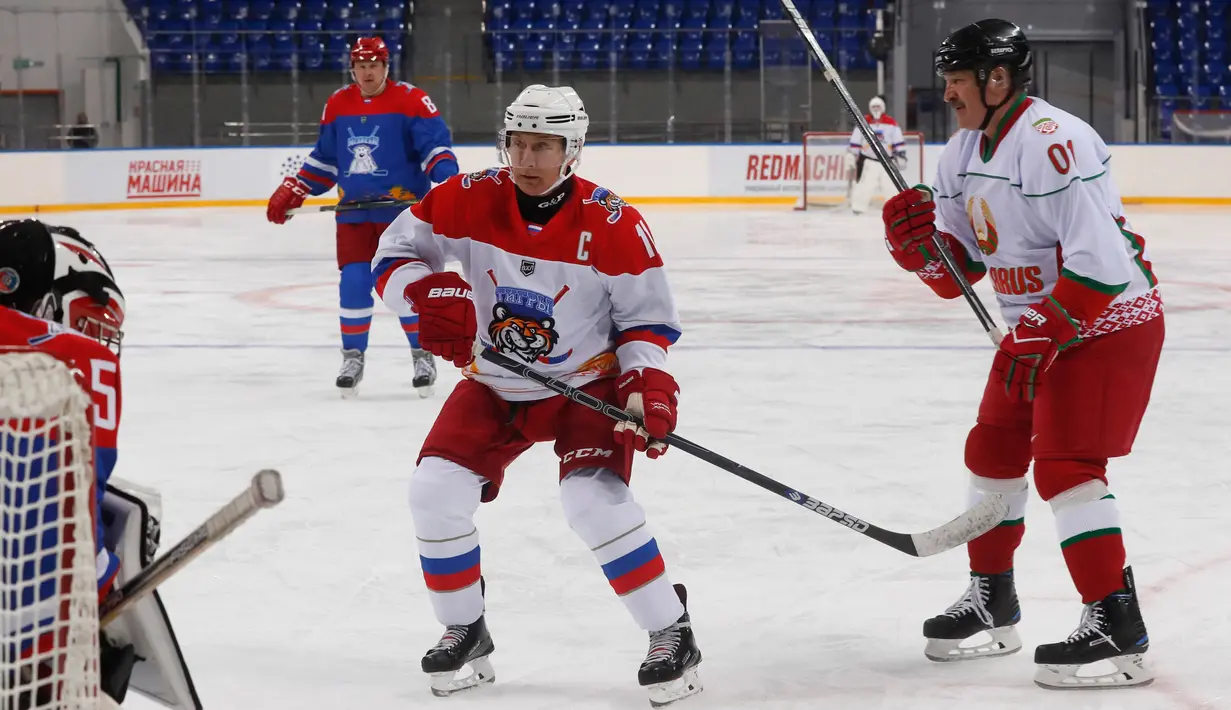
x: 587, y: 454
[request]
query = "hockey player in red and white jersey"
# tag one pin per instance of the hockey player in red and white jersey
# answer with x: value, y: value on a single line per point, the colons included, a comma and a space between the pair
x: 1024, y: 196
x: 870, y: 176
x: 560, y: 273
x: 58, y: 296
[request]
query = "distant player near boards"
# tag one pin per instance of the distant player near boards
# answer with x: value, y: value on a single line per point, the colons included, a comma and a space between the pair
x: 870, y: 176
x: 378, y: 140
x: 1024, y: 196
x: 565, y: 276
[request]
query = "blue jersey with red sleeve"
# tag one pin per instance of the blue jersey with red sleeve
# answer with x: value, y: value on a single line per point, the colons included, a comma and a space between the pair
x: 392, y: 145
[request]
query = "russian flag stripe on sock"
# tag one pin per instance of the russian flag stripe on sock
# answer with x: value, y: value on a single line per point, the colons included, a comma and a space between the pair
x: 635, y: 569
x: 449, y: 574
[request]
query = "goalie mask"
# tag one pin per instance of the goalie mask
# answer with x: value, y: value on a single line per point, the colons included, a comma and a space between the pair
x: 86, y: 297
x: 876, y: 107
x: 548, y: 110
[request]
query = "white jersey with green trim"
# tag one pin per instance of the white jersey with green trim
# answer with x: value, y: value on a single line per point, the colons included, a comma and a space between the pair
x: 1036, y: 201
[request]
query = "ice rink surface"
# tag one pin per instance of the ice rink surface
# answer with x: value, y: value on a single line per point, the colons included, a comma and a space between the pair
x: 807, y: 355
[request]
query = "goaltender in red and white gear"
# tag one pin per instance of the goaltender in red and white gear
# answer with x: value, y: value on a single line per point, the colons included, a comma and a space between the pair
x: 563, y: 275
x: 58, y: 296
x: 1024, y: 196
x: 871, y: 178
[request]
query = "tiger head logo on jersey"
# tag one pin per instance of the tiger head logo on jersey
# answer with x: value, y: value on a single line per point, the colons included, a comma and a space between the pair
x: 983, y: 225
x: 492, y: 174
x: 524, y: 325
x: 609, y: 201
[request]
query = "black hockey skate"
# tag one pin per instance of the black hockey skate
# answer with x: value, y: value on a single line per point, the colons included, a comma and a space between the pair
x: 989, y: 605
x: 351, y: 374
x: 669, y: 671
x: 425, y: 372
x: 1111, y: 629
x: 461, y: 645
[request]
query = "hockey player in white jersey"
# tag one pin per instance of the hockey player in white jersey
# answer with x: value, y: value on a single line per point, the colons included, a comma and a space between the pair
x: 1024, y: 196
x: 870, y: 176
x: 561, y: 274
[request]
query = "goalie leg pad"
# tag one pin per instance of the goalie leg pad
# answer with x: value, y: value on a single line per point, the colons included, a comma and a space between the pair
x: 160, y: 671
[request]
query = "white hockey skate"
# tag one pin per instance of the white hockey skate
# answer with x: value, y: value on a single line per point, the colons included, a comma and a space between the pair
x: 351, y: 374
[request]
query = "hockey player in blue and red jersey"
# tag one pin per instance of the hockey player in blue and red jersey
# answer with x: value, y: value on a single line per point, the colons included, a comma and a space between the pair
x: 378, y: 140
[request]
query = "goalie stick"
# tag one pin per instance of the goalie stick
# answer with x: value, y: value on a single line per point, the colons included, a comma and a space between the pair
x: 265, y: 491
x: 831, y: 75
x: 351, y: 206
x: 984, y: 516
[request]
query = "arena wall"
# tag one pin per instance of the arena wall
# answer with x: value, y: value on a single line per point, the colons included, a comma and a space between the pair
x: 55, y: 181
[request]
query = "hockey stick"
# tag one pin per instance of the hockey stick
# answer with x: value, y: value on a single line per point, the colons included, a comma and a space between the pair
x: 351, y: 206
x: 265, y: 491
x: 831, y: 75
x: 984, y: 516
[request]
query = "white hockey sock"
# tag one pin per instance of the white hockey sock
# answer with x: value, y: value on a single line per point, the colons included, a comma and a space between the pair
x: 443, y: 499
x: 1016, y: 493
x: 601, y: 510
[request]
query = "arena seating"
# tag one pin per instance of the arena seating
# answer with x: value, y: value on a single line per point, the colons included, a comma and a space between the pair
x: 650, y: 34
x: 1188, y: 56
x: 227, y: 36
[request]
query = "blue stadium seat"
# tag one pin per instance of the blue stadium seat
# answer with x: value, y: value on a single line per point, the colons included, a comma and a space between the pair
x: 663, y: 53
x: 341, y: 8
x: 235, y: 10
x: 690, y: 53
x: 714, y: 51
x: 261, y: 9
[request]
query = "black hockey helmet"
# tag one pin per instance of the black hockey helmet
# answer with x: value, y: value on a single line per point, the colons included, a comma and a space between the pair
x: 981, y: 47
x: 27, y: 264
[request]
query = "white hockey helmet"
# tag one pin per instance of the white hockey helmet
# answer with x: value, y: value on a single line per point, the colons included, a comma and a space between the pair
x: 876, y: 107
x: 551, y: 110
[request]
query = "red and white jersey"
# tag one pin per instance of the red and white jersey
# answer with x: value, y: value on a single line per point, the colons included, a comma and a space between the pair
x: 1036, y: 205
x: 885, y: 128
x: 582, y: 297
x: 97, y: 370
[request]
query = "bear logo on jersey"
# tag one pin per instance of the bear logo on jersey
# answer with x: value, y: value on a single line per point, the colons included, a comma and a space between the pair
x: 362, y: 147
x: 609, y: 201
x: 983, y: 225
x: 491, y: 173
x: 9, y: 281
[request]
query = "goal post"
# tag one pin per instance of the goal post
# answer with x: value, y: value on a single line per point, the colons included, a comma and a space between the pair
x: 825, y: 173
x: 49, y: 607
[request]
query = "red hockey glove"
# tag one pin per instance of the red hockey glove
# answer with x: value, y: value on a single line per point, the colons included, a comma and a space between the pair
x: 910, y: 221
x: 1044, y: 331
x: 289, y: 195
x: 447, y: 323
x: 651, y: 396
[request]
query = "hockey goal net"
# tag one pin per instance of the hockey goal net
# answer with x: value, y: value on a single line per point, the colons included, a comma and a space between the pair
x: 50, y: 593
x: 827, y: 176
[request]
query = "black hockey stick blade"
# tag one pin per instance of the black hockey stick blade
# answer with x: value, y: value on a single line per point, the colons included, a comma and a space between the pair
x: 984, y: 516
x: 351, y: 206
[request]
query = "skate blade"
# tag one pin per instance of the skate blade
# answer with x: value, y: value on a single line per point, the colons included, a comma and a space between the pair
x: 424, y: 391
x: 663, y: 694
x: 349, y: 392
x: 1129, y: 671
x: 1002, y: 642
x: 446, y: 684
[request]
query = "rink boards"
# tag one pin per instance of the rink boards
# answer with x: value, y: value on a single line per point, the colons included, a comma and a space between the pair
x: 750, y: 174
